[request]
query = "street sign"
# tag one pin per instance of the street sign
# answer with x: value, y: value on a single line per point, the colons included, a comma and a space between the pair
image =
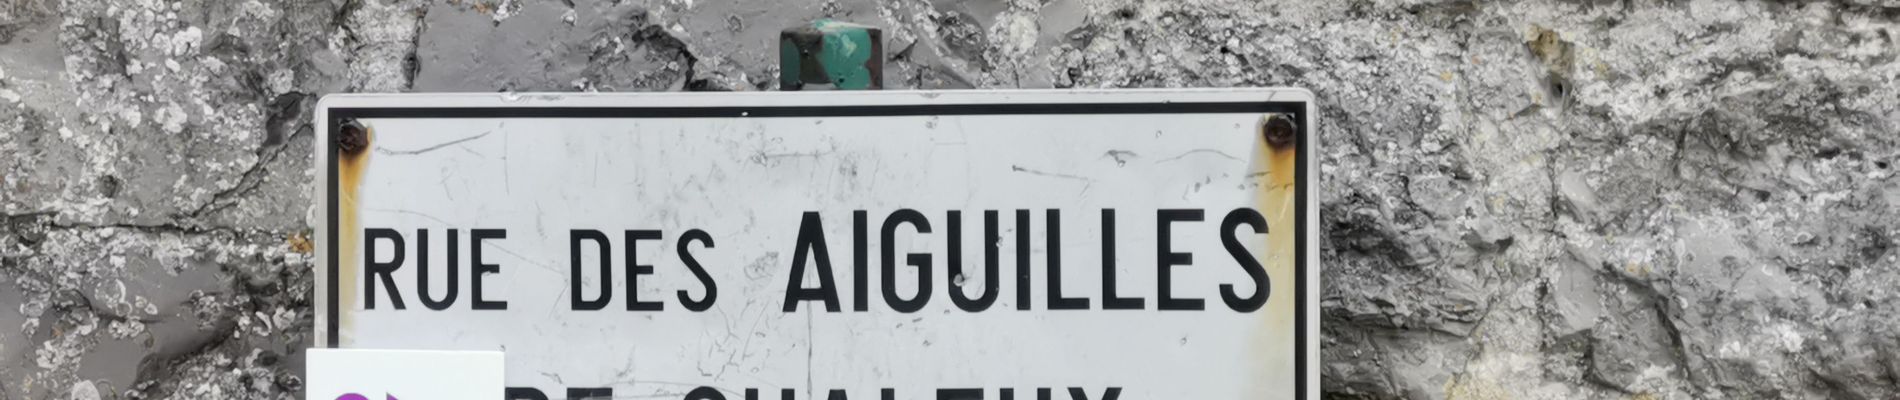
x: 1127, y: 244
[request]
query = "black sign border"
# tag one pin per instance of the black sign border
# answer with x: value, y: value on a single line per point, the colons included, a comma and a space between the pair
x: 1298, y: 109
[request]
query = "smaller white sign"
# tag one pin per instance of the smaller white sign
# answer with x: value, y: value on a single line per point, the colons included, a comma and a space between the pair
x: 403, y: 375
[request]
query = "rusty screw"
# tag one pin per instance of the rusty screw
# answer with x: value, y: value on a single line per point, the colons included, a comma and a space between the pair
x: 352, y: 137
x: 1279, y: 131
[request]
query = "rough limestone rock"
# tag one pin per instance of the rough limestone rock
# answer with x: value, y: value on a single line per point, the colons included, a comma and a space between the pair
x: 1542, y: 199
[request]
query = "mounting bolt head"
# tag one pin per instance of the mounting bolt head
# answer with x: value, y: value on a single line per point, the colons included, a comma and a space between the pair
x: 352, y: 137
x: 1279, y: 131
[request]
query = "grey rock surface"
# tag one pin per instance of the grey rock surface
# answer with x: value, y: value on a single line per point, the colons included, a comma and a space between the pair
x: 1541, y: 199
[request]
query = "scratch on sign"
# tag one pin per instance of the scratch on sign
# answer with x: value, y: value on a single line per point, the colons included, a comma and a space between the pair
x: 431, y: 148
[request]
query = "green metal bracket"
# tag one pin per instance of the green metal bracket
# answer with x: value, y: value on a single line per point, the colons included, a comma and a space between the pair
x: 827, y: 53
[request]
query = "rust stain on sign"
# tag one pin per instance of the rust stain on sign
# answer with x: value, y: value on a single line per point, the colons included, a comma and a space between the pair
x: 353, y: 140
x: 1276, y: 150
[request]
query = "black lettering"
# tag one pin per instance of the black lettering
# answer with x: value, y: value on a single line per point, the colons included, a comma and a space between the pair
x: 705, y: 393
x: 422, y: 270
x: 523, y: 393
x: 480, y: 270
x: 1112, y: 393
x: 383, y: 269
x: 1042, y: 393
x: 1109, y: 300
x: 887, y: 394
x: 699, y: 272
x: 606, y: 393
x: 1056, y: 301
x: 576, y: 300
x: 860, y: 261
x: 960, y: 394
x: 921, y: 261
x: 811, y: 239
x: 1006, y: 394
x: 991, y: 255
x: 1022, y: 260
x: 835, y: 394
x: 635, y: 270
x: 1262, y: 284
x: 1166, y: 259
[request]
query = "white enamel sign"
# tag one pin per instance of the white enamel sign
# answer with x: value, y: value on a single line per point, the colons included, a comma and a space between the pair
x: 1147, y: 244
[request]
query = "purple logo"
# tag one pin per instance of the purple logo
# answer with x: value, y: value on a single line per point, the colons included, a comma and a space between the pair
x: 354, y: 396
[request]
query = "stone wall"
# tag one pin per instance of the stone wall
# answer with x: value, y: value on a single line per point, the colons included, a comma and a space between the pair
x: 1541, y: 199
